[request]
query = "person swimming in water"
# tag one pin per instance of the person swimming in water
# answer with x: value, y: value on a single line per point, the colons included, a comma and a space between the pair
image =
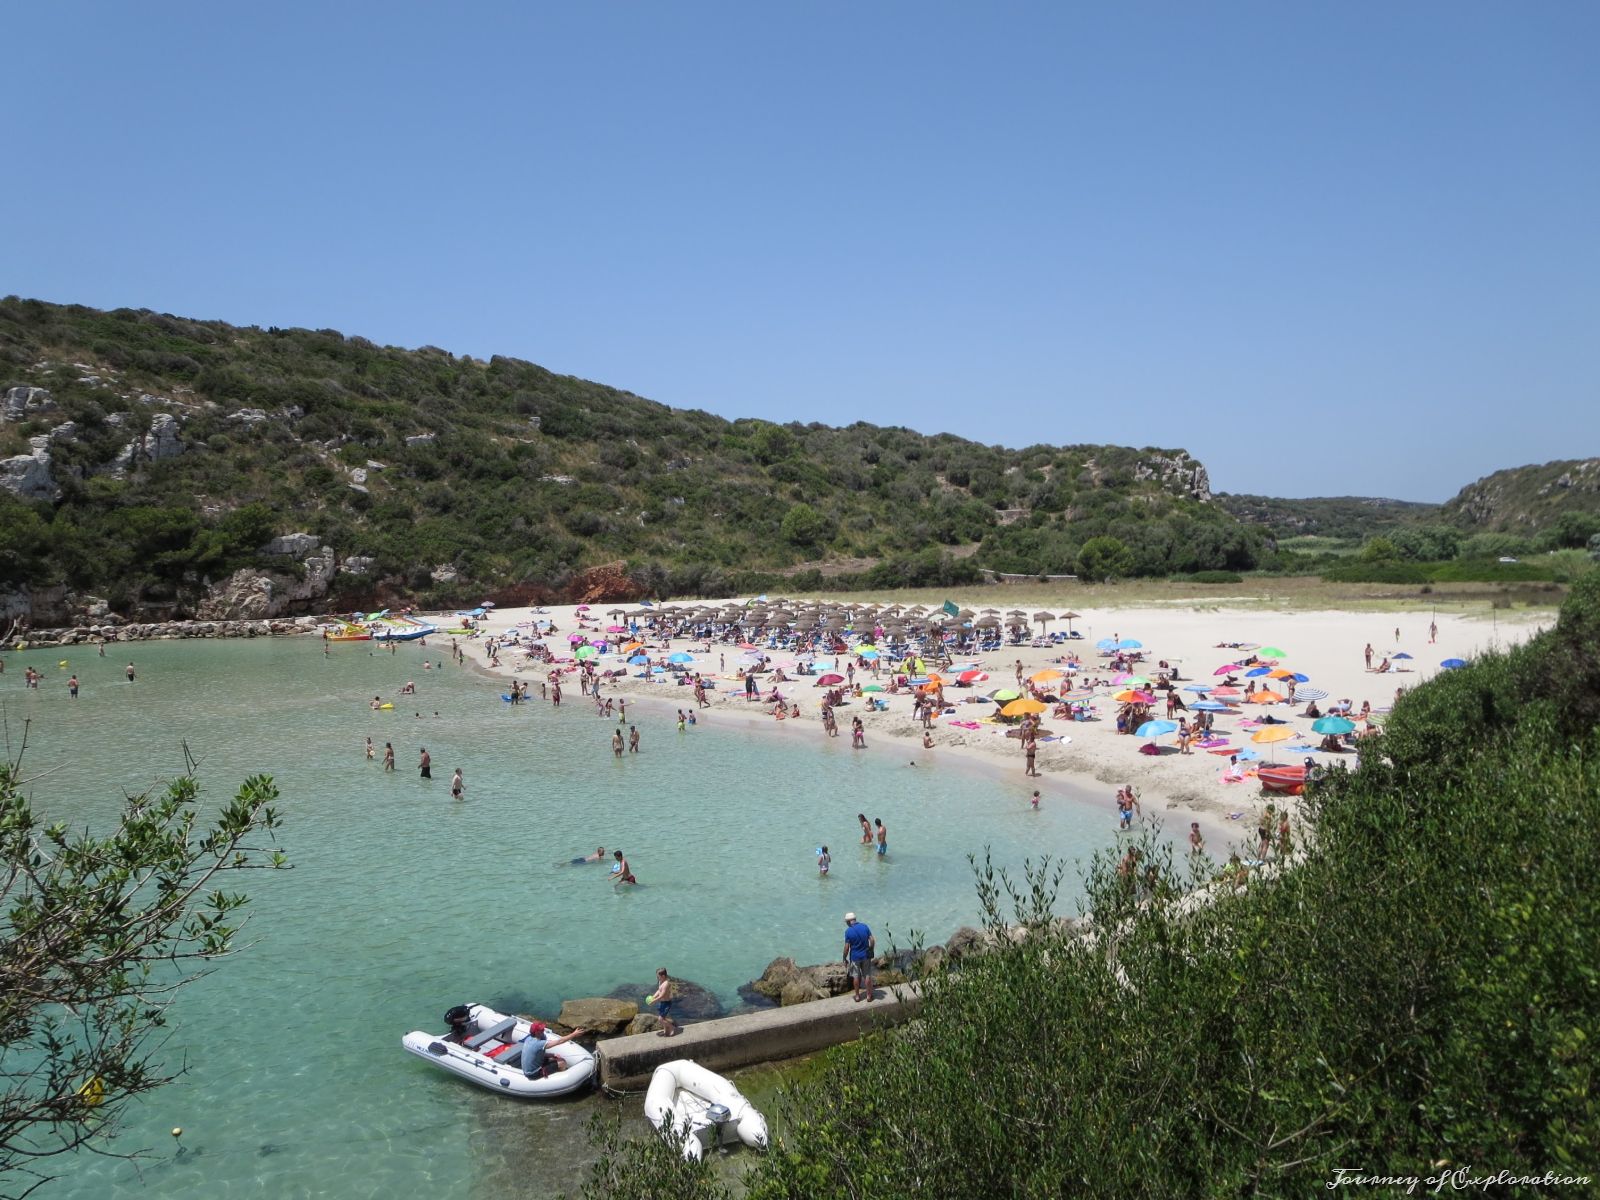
x: 599, y: 855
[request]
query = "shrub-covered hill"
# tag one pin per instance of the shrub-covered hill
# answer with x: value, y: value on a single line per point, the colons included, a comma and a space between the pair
x: 1353, y: 517
x: 1528, y: 500
x: 143, y: 456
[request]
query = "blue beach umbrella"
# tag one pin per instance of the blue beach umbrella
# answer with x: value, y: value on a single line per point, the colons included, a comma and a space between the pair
x: 1154, y: 729
x: 1201, y: 688
x: 1257, y: 671
x: 1248, y: 755
x: 1297, y: 677
x: 638, y: 660
x: 1453, y: 664
x: 1209, y: 706
x: 680, y: 657
x: 1333, y: 725
x: 1401, y: 655
x: 870, y: 655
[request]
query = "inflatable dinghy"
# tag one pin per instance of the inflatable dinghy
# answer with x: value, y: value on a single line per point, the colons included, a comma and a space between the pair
x: 703, y: 1107
x: 485, y: 1047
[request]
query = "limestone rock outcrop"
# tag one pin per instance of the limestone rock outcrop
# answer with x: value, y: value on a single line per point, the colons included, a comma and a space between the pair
x: 28, y: 476
x: 23, y: 403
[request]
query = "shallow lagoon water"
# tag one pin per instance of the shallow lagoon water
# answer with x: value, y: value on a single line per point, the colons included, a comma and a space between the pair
x: 402, y: 902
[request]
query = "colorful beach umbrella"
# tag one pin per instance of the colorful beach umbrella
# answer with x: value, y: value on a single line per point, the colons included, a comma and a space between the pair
x: 638, y: 660
x: 1133, y: 696
x: 1201, y: 688
x: 1022, y: 708
x: 973, y: 677
x: 1004, y: 694
x: 1310, y: 694
x: 1155, y: 729
x: 1271, y: 652
x: 586, y: 652
x: 1048, y: 675
x: 1453, y: 664
x: 1265, y: 696
x: 1257, y: 672
x: 1226, y: 669
x: 1335, y: 725
x: 680, y: 657
x: 1209, y: 706
x: 1229, y: 692
x: 1274, y: 734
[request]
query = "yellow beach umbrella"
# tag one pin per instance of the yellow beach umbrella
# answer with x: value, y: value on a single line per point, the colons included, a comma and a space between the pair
x: 1021, y: 708
x: 1264, y: 696
x: 1273, y: 734
x: 1048, y: 675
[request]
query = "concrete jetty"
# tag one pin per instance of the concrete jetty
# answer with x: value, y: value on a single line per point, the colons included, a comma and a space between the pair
x: 626, y: 1063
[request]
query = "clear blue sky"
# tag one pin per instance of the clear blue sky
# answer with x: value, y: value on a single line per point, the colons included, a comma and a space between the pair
x: 1348, y: 248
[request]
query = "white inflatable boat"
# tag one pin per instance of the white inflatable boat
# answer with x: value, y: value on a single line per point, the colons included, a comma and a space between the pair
x: 485, y: 1047
x: 705, y: 1109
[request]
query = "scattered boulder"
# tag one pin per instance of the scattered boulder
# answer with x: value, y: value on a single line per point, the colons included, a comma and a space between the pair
x: 21, y: 403
x: 800, y: 990
x: 28, y: 475
x: 422, y: 439
x: 64, y: 432
x: 162, y: 440
x: 830, y: 979
x: 249, y: 417
x: 963, y: 941
x: 293, y: 545
x: 780, y: 971
x: 358, y: 564
x: 643, y: 1023
x: 598, y: 1014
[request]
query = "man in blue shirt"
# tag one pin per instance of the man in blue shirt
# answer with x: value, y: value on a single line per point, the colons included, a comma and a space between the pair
x: 858, y: 947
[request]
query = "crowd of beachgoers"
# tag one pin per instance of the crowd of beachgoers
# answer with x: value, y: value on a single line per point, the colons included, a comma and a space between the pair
x: 1179, y: 708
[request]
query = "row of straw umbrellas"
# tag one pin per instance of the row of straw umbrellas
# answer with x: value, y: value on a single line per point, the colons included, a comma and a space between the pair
x: 805, y: 617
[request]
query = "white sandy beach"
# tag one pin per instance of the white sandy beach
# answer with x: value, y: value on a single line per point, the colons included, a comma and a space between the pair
x: 1325, y: 646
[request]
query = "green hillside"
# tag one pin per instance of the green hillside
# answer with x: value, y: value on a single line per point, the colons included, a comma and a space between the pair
x: 1528, y: 500
x: 1354, y: 517
x: 144, y: 456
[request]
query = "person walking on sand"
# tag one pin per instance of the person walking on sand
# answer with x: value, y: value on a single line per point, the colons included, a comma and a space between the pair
x: 859, y: 945
x: 1368, y: 653
x: 1283, y: 833
x: 425, y: 764
x: 1030, y: 750
x: 633, y: 739
x: 882, y: 835
x: 388, y: 756
x: 1433, y: 632
x: 457, y: 786
x: 662, y: 998
x: 1264, y: 829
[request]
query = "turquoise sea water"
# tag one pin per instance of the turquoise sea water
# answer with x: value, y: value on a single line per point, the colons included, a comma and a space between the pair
x: 403, y: 902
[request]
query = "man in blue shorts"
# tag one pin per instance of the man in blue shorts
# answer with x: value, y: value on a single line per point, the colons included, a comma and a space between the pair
x: 858, y: 947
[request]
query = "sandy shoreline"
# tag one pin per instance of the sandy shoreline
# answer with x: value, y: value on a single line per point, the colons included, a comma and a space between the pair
x: 1326, y: 646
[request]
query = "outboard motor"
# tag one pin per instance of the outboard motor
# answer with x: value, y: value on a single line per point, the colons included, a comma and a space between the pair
x: 459, y: 1019
x: 717, y: 1117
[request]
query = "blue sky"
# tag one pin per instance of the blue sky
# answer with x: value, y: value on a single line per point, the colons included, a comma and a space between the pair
x: 1347, y: 249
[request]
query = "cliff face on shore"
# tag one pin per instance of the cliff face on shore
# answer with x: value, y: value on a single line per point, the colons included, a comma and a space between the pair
x: 163, y: 466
